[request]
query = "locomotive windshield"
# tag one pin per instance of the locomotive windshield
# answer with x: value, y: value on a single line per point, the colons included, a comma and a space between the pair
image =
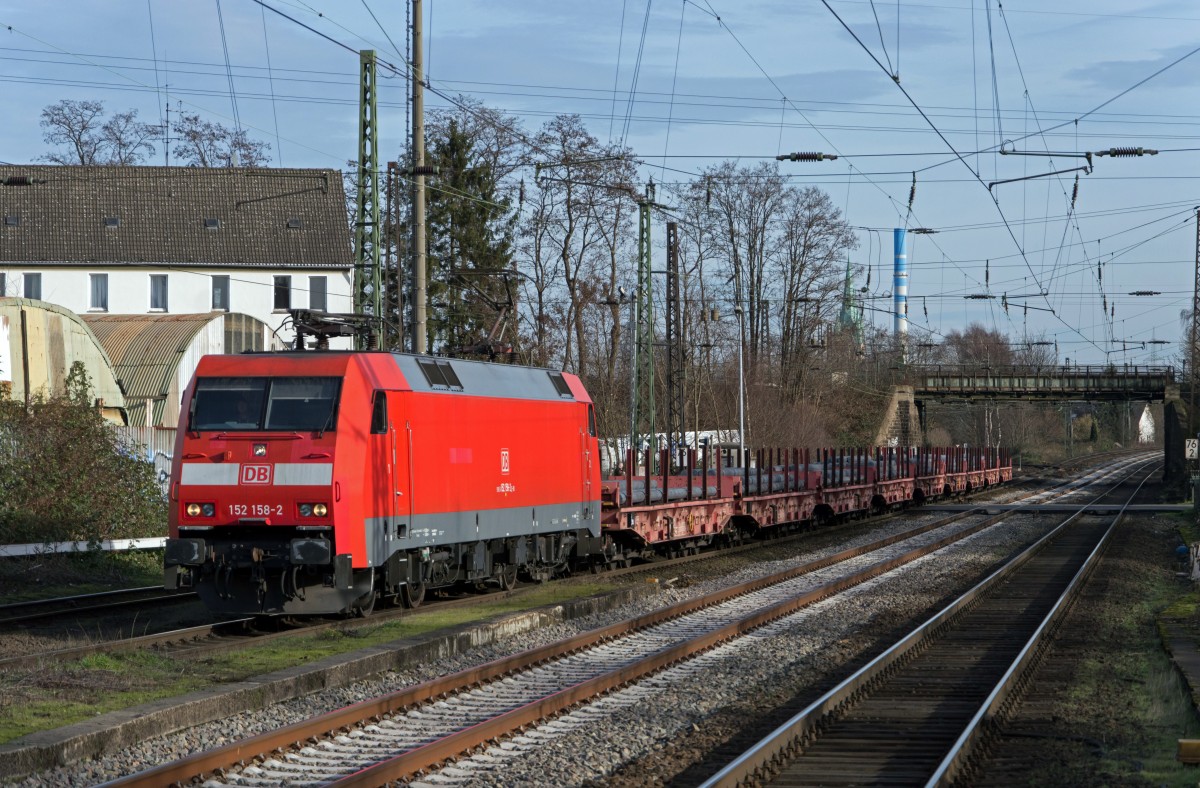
x: 247, y: 404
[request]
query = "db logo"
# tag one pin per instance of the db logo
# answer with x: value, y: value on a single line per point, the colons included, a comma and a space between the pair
x: 504, y: 461
x: 256, y: 474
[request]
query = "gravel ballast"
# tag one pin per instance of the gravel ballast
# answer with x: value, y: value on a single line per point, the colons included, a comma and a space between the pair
x: 779, y: 663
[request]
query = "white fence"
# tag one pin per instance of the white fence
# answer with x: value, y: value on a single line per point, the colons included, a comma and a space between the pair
x: 108, y: 545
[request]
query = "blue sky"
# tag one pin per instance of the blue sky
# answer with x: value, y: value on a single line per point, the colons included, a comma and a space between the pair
x: 766, y: 77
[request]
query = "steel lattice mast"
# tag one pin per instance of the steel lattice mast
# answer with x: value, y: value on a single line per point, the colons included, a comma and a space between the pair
x: 642, y: 420
x: 368, y: 284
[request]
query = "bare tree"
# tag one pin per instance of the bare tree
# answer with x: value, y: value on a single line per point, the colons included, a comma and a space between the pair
x: 577, y: 189
x: 126, y: 140
x: 91, y: 139
x: 202, y: 143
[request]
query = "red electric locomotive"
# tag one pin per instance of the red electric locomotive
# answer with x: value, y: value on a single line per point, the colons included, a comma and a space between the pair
x: 317, y: 482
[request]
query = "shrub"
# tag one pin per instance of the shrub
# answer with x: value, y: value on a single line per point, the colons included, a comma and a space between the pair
x: 66, y: 476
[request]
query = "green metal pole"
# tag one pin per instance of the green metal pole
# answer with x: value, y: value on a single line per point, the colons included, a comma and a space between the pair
x: 368, y: 285
x: 643, y: 368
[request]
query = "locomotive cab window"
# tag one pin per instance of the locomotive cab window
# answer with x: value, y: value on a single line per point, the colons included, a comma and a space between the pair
x: 252, y: 404
x: 591, y: 420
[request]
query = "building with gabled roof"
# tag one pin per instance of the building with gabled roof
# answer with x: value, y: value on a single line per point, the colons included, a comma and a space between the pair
x: 172, y: 240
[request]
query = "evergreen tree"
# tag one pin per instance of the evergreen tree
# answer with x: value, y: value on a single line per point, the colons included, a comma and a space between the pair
x: 470, y: 243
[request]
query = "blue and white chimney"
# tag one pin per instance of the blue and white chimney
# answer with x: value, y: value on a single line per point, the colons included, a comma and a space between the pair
x: 900, y: 292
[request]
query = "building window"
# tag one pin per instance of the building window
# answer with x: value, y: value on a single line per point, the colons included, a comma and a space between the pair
x: 158, y: 292
x: 3, y: 284
x: 33, y: 286
x: 98, y: 300
x: 317, y: 299
x: 212, y: 223
x: 12, y: 221
x: 220, y: 293
x: 283, y: 293
x: 112, y: 222
x: 295, y: 223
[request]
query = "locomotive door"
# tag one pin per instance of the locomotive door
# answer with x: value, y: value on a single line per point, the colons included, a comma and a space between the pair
x: 402, y: 497
x: 587, y: 440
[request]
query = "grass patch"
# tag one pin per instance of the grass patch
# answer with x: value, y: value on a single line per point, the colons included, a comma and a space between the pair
x: 64, y: 694
x: 69, y: 574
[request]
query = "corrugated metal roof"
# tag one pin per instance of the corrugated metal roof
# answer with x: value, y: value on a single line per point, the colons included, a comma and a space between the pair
x: 45, y: 340
x: 165, y: 215
x: 146, y: 350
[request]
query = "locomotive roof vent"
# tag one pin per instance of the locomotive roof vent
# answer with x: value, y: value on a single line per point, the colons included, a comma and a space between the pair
x: 439, y: 374
x: 560, y: 385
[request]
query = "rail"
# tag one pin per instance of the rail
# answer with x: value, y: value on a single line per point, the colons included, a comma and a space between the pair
x: 768, y: 753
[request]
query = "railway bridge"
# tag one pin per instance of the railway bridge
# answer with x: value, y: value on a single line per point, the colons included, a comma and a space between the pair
x: 1067, y: 383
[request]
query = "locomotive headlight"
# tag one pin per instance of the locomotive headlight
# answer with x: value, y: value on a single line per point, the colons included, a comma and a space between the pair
x: 209, y: 510
x: 193, y: 510
x: 320, y: 509
x: 306, y: 510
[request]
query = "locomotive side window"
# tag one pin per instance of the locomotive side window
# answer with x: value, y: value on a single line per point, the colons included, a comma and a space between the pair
x: 379, y: 419
x: 251, y: 404
x: 591, y: 421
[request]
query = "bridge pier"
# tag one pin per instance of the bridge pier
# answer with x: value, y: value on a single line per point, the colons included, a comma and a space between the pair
x: 1175, y: 431
x: 902, y: 421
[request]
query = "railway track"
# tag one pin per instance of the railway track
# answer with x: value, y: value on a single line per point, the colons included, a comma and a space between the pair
x: 915, y: 714
x: 209, y: 638
x: 399, y: 735
x: 89, y: 604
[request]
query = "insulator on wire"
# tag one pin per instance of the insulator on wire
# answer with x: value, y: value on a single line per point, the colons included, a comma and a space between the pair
x: 1117, y: 152
x: 912, y: 192
x: 924, y: 308
x: 806, y: 156
x: 521, y: 194
x: 1099, y: 272
x: 1075, y: 192
x: 707, y: 192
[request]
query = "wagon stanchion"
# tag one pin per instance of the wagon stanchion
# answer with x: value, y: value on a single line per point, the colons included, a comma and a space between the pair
x: 664, y: 464
x: 690, y: 454
x: 649, y: 465
x: 630, y: 454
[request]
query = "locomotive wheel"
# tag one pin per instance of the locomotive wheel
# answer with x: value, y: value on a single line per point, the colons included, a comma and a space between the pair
x: 412, y: 595
x: 507, y: 577
x: 365, y: 604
